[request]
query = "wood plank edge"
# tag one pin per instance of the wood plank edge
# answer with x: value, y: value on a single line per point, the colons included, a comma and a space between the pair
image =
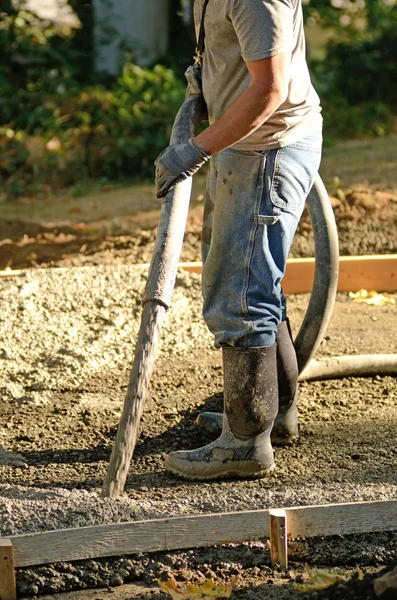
x: 324, y: 520
x: 295, y: 529
x: 371, y: 272
x: 382, y: 274
x: 155, y: 535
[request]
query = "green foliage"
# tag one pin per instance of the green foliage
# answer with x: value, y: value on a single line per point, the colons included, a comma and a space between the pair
x: 60, y: 122
x: 37, y: 59
x: 365, y: 70
x: 352, y: 19
x: 358, y: 86
x: 344, y: 120
x: 95, y: 132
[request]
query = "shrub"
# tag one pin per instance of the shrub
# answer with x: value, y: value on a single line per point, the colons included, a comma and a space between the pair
x: 94, y: 132
x: 35, y: 60
x: 57, y: 125
x: 357, y: 85
x: 344, y: 120
x: 364, y: 70
x: 60, y: 122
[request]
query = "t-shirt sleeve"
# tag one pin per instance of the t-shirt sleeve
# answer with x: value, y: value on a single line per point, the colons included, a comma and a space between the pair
x: 264, y: 27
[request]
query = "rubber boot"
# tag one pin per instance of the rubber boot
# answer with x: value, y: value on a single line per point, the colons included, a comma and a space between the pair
x: 286, y: 426
x: 250, y: 406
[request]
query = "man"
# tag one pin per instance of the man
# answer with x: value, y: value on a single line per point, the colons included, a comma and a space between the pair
x: 264, y: 141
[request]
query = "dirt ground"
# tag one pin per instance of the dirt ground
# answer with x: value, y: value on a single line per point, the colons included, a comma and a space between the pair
x: 109, y: 223
x: 66, y: 342
x: 64, y: 374
x: 273, y: 585
x: 367, y: 222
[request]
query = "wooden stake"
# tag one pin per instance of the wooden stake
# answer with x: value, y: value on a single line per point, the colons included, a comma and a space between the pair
x: 278, y: 538
x: 8, y: 590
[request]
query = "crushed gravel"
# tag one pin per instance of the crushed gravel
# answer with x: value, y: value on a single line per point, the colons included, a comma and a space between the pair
x: 66, y: 344
x: 59, y: 326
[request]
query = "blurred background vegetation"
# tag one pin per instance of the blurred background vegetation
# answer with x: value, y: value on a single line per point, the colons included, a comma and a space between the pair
x: 63, y: 121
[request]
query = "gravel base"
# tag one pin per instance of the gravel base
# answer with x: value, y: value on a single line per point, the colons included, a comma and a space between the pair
x: 59, y: 326
x: 245, y: 565
x: 61, y: 330
x: 26, y: 510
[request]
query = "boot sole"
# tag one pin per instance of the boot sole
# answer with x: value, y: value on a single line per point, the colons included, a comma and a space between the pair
x: 233, y: 473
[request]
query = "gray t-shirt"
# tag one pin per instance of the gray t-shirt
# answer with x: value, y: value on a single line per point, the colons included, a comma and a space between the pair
x: 240, y: 31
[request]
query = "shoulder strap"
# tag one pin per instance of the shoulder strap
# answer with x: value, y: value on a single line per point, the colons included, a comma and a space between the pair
x: 201, y: 38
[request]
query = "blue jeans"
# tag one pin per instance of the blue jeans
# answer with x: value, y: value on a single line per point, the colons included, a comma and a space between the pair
x: 253, y: 204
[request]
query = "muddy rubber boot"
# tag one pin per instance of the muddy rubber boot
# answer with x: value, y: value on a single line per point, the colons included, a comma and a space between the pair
x: 250, y: 406
x: 286, y: 426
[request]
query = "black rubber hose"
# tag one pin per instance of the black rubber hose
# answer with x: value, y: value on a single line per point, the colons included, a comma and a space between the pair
x: 360, y: 365
x: 325, y: 284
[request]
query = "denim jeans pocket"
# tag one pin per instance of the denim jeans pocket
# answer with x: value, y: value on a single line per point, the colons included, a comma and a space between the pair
x: 268, y: 219
x: 292, y: 170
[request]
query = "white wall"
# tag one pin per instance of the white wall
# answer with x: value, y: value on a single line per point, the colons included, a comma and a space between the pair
x: 56, y: 10
x: 142, y: 25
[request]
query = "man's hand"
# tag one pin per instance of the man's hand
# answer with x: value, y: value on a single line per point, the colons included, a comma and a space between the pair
x: 176, y: 163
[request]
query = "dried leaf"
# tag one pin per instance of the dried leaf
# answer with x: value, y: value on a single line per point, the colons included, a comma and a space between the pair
x: 321, y: 579
x: 208, y: 590
x: 372, y: 298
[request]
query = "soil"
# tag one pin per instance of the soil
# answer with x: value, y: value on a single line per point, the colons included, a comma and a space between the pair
x: 66, y: 345
x: 367, y: 224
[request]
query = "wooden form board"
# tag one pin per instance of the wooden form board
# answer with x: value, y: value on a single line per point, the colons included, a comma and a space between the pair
x: 203, y: 530
x: 138, y: 536
x: 342, y: 519
x: 355, y: 272
x: 378, y: 272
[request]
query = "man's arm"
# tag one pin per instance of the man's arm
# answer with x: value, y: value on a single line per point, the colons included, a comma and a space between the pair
x: 268, y: 90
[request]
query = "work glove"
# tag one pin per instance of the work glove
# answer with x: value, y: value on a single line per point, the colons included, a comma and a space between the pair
x: 176, y: 163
